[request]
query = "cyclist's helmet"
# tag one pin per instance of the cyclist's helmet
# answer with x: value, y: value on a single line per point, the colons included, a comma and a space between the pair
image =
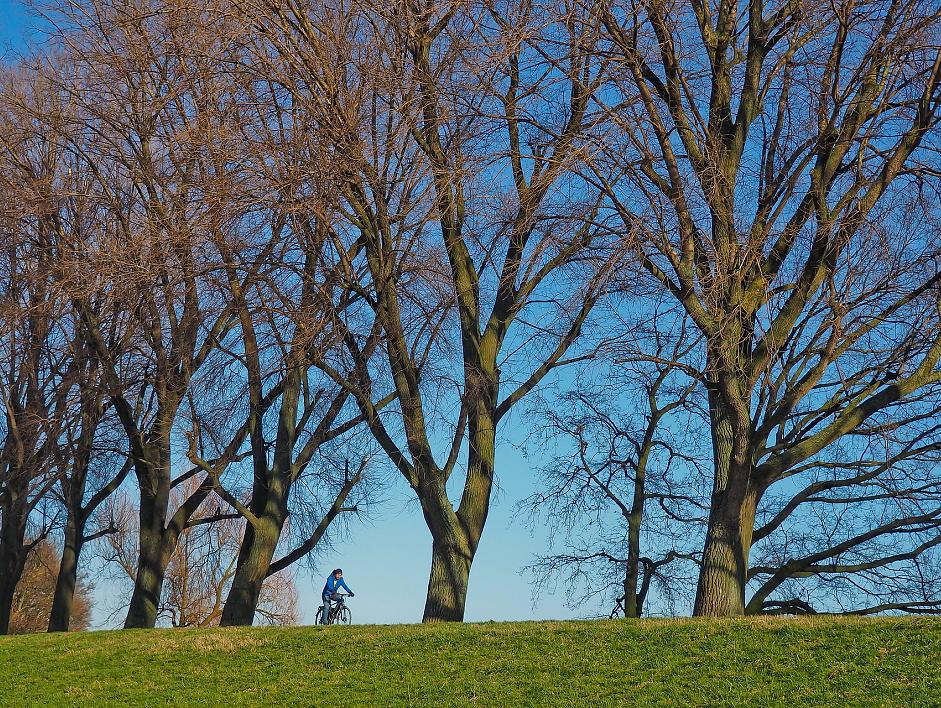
x: 337, y: 571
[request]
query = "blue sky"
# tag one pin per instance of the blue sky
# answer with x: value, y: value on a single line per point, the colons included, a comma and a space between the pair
x: 386, y: 559
x: 13, y: 25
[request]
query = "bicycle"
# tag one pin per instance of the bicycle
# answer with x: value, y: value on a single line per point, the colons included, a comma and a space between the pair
x: 618, y: 610
x: 339, y: 612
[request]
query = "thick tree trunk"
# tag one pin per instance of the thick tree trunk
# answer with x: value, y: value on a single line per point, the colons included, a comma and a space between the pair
x: 721, y: 590
x: 155, y: 545
x: 270, y: 493
x: 152, y: 559
x: 255, y: 556
x: 64, y: 593
x: 456, y: 535
x: 11, y: 568
x: 722, y: 577
x: 148, y: 584
x: 12, y: 558
x: 451, y: 561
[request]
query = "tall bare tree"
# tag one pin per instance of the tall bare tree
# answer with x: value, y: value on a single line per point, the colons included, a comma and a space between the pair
x: 35, y: 370
x: 298, y: 414
x: 451, y: 129
x: 52, y: 216
x: 198, y: 250
x: 146, y: 154
x: 782, y: 172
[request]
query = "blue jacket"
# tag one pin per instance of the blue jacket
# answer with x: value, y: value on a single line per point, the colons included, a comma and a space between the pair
x: 333, y: 584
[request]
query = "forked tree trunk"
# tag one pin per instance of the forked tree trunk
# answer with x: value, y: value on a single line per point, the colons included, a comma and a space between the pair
x: 64, y: 594
x: 153, y: 552
x: 255, y: 556
x: 455, y: 538
x: 156, y: 542
x: 270, y: 493
x: 456, y: 535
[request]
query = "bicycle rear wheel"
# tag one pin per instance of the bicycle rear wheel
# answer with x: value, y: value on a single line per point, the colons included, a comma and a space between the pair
x: 318, y: 618
x: 344, y: 616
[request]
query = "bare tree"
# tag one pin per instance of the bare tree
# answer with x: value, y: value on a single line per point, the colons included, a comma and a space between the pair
x: 195, y: 250
x: 449, y: 131
x: 782, y: 187
x: 35, y: 371
x: 625, y: 486
x: 146, y: 156
x: 297, y: 414
x: 50, y: 216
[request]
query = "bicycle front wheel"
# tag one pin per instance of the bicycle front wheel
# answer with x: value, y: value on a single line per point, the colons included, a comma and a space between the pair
x: 344, y: 616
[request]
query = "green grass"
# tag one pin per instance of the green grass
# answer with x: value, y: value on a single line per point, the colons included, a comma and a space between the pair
x: 754, y: 662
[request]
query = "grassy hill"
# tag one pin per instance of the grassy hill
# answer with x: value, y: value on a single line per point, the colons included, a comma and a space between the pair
x: 804, y: 662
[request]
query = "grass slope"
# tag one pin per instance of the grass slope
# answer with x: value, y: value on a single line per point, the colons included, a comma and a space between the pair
x: 804, y: 662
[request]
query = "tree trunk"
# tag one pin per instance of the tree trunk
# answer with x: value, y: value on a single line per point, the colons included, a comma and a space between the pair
x: 12, y: 556
x: 152, y: 559
x: 7, y: 586
x: 64, y: 593
x: 11, y: 568
x: 721, y: 590
x: 454, y: 542
x: 631, y: 604
x: 722, y: 577
x: 148, y: 584
x: 456, y: 535
x: 155, y: 545
x: 255, y: 556
x: 447, y: 585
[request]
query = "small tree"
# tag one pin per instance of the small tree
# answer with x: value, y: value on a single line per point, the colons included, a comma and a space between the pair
x: 626, y: 483
x: 33, y: 598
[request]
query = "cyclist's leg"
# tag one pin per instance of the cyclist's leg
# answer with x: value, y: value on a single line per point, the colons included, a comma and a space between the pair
x: 325, y: 619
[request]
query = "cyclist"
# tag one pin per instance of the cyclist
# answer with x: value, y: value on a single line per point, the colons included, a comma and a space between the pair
x: 329, y: 593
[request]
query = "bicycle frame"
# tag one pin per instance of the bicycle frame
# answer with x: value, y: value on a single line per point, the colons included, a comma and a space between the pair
x: 336, y: 606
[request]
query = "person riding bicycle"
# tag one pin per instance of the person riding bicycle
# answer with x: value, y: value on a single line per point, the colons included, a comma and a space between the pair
x: 329, y: 593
